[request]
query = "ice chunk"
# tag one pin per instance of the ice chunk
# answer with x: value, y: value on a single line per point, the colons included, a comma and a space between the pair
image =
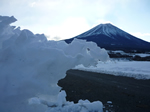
x: 61, y: 98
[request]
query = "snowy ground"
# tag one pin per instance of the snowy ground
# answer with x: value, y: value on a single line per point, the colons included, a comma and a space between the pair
x: 136, y: 69
x: 142, y: 54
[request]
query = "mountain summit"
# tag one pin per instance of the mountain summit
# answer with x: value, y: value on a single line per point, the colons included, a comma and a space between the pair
x: 105, y: 29
x: 110, y: 37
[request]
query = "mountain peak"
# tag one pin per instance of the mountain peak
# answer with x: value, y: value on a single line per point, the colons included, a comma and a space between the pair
x: 111, y: 37
x: 105, y: 24
x: 106, y: 29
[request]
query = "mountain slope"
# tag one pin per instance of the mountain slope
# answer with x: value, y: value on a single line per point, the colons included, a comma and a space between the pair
x: 110, y: 37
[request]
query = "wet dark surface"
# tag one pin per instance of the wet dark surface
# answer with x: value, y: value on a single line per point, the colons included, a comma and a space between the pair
x: 126, y: 94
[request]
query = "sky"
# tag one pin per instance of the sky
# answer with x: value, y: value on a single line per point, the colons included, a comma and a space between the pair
x: 62, y: 19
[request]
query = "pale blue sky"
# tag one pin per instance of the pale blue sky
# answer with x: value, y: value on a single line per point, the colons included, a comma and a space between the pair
x: 60, y: 19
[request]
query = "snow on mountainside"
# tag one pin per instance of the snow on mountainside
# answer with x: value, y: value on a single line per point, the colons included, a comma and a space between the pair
x: 110, y: 37
x: 106, y: 29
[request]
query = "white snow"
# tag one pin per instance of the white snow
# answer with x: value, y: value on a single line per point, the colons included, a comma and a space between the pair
x: 106, y: 29
x: 99, y: 29
x: 142, y: 54
x: 135, y: 69
x: 119, y: 51
x: 30, y: 67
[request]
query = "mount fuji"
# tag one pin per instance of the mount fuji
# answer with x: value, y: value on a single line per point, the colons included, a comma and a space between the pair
x: 110, y: 37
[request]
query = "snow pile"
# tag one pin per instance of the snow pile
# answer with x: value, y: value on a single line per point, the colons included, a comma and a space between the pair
x: 65, y: 106
x: 135, y: 69
x: 30, y: 67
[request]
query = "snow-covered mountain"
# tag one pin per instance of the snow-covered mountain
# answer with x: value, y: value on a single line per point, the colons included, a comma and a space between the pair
x: 110, y: 37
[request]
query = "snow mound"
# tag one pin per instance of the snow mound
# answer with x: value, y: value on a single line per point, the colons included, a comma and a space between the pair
x: 31, y: 66
x: 65, y: 106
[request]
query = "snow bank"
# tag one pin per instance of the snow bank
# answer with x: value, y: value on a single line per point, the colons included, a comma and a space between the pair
x: 135, y: 69
x: 30, y: 67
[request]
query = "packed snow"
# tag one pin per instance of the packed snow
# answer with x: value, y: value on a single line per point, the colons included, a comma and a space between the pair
x: 31, y: 66
x: 135, y: 69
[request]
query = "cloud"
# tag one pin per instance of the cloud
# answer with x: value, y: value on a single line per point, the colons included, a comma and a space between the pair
x: 141, y: 34
x: 69, y: 28
x: 144, y: 36
x: 32, y: 4
x: 91, y: 10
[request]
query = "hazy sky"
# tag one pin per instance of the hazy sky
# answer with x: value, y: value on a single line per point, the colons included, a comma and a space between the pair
x: 60, y: 19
